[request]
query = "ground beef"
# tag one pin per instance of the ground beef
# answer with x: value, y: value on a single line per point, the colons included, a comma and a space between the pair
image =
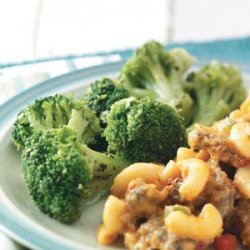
x: 153, y: 235
x: 220, y: 147
x: 144, y: 218
x: 219, y: 191
x: 143, y: 201
x: 174, y: 195
x: 242, y: 213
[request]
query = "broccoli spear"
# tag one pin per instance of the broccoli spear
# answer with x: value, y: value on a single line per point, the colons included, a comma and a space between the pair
x: 216, y: 89
x: 144, y: 130
x: 53, y: 112
x: 153, y: 72
x: 60, y: 172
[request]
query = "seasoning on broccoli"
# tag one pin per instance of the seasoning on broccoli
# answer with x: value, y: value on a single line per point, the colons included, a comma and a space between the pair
x: 144, y: 130
x: 61, y: 173
x: 153, y: 72
x: 217, y: 89
x: 103, y: 93
x: 54, y: 112
x: 100, y: 96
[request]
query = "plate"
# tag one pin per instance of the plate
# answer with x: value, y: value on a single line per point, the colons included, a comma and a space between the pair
x: 19, y: 217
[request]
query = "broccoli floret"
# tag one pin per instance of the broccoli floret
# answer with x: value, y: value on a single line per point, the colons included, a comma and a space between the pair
x: 158, y: 74
x: 103, y: 93
x: 60, y: 172
x: 144, y: 130
x: 53, y: 112
x: 100, y: 96
x: 216, y: 89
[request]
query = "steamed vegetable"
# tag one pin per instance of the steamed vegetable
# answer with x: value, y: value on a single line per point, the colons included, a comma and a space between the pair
x: 54, y: 112
x: 103, y: 93
x: 217, y: 89
x: 60, y: 172
x: 153, y: 72
x: 144, y: 130
x: 100, y: 96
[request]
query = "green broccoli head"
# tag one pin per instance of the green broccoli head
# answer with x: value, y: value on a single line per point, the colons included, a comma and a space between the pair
x: 61, y: 173
x: 153, y: 72
x: 55, y: 172
x: 144, y: 130
x: 216, y: 89
x: 103, y: 93
x: 99, y: 97
x: 54, y: 112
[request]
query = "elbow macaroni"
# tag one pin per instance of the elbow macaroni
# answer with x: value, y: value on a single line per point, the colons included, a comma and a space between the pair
x: 174, y: 169
x: 113, y: 224
x: 242, y: 114
x: 195, y: 173
x: 206, y: 226
x: 242, y: 181
x: 171, y: 171
x: 187, y: 153
x: 113, y: 210
x: 184, y: 153
x: 240, y: 135
x: 148, y: 171
x: 104, y: 236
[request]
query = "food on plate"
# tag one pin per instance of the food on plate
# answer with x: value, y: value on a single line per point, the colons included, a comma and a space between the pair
x: 53, y: 112
x: 227, y: 140
x: 202, y: 227
x: 241, y: 181
x: 159, y: 74
x: 102, y: 94
x: 130, y: 133
x: 55, y: 147
x: 148, y: 171
x: 243, y: 220
x: 192, y: 202
x: 217, y: 89
x: 203, y: 96
x: 144, y: 130
x: 185, y: 210
x: 226, y: 242
x: 60, y: 172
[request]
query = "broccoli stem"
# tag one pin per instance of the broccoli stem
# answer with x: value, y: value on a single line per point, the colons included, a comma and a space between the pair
x: 104, y: 165
x: 167, y: 89
x: 171, y: 89
x: 217, y: 89
x: 210, y: 107
x: 104, y: 168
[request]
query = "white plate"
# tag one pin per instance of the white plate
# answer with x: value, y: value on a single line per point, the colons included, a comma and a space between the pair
x: 19, y: 217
